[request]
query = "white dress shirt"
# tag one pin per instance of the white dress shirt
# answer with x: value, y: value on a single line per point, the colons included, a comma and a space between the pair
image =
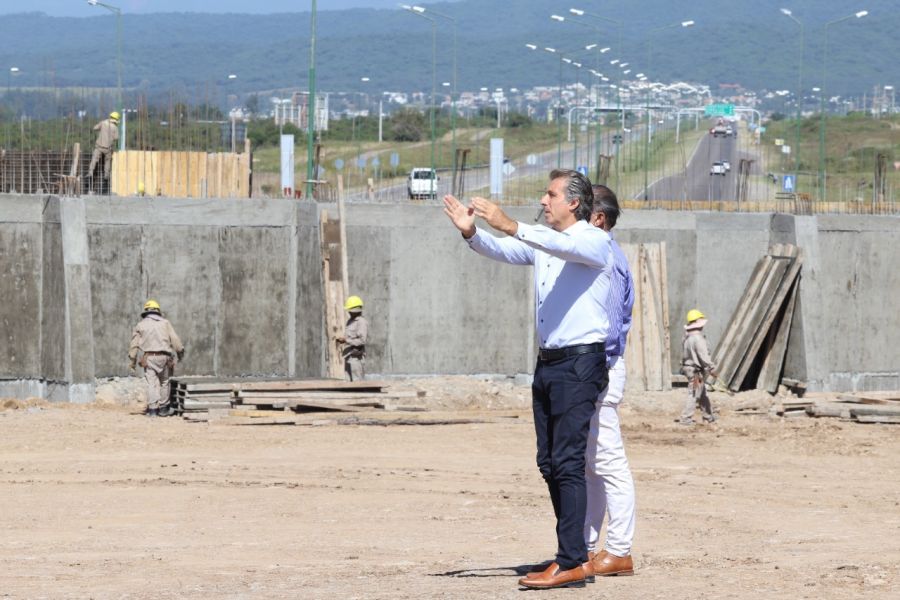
x: 572, y: 271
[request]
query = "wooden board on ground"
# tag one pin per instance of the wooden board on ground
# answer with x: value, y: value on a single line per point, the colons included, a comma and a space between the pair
x: 881, y: 419
x: 872, y: 397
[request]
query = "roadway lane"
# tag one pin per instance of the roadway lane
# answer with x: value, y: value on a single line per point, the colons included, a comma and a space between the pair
x: 696, y: 183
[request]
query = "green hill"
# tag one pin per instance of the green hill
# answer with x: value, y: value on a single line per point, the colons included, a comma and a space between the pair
x: 733, y: 42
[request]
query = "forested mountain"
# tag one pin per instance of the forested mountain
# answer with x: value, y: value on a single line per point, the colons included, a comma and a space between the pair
x: 734, y: 41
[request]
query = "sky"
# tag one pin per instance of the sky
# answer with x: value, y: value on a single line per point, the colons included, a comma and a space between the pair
x: 80, y: 8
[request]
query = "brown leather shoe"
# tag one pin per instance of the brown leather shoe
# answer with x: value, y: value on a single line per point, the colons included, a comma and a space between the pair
x: 588, y: 569
x: 607, y: 565
x: 553, y: 577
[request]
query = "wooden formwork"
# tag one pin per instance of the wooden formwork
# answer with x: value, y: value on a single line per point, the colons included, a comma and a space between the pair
x: 182, y: 174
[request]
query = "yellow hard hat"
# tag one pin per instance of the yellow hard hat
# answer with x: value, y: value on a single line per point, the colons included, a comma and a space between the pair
x: 151, y: 305
x: 353, y: 302
x: 694, y: 314
x: 114, y: 115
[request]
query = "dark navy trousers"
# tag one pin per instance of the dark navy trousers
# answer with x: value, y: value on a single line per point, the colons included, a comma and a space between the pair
x: 564, y: 393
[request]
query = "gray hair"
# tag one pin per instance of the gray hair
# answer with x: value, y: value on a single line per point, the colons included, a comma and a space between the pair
x: 578, y: 187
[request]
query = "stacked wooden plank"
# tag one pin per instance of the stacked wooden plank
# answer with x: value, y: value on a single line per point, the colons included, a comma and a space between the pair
x: 279, y: 400
x: 181, y: 174
x: 752, y: 350
x: 647, y: 353
x: 861, y: 407
x: 192, y: 395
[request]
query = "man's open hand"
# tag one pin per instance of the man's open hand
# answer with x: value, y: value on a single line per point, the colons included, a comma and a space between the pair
x: 460, y: 215
x: 494, y: 216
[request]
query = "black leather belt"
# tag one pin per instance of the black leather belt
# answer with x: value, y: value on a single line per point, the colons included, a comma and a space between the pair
x: 552, y: 354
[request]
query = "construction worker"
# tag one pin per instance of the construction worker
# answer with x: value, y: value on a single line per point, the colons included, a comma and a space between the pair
x: 106, y: 141
x: 696, y: 365
x: 160, y: 350
x: 356, y: 333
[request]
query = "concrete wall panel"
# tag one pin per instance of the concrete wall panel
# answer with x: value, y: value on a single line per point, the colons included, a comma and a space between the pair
x: 117, y: 293
x: 181, y: 271
x: 53, y: 301
x: 253, y: 320
x: 309, y: 318
x: 20, y: 299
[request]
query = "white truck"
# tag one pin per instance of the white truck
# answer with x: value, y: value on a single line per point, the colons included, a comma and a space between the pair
x: 422, y: 183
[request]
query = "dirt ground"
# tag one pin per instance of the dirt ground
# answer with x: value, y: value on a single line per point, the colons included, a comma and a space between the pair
x: 99, y: 502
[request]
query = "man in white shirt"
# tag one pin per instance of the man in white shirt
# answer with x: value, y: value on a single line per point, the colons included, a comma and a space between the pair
x: 572, y: 266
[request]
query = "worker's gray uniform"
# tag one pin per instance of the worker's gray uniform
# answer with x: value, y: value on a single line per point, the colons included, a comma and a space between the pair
x: 356, y: 332
x: 696, y: 365
x: 106, y: 141
x: 157, y: 340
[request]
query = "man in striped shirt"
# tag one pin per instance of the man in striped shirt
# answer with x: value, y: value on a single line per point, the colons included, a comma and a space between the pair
x: 610, y: 486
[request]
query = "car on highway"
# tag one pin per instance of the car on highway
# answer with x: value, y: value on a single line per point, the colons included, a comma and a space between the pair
x: 717, y: 169
x: 729, y: 131
x: 422, y: 183
x: 727, y: 165
x: 719, y: 130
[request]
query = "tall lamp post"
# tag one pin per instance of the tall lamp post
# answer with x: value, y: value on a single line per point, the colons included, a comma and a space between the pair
x: 558, y: 101
x: 683, y: 25
x: 599, y: 32
x: 311, y: 107
x: 356, y: 132
x: 620, y: 49
x: 823, y: 179
x: 12, y: 71
x: 786, y: 12
x: 420, y: 13
x: 453, y: 91
x: 118, y: 12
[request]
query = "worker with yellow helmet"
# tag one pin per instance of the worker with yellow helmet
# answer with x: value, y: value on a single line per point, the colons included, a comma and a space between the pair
x: 160, y: 348
x: 696, y: 364
x: 356, y: 333
x: 107, y: 138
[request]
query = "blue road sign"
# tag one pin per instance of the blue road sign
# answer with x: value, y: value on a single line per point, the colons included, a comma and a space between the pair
x: 395, y: 159
x: 376, y: 163
x: 789, y: 183
x: 583, y: 170
x: 361, y: 162
x: 339, y: 164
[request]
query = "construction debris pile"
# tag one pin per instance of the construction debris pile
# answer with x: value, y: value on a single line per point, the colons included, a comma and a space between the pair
x: 858, y: 407
x: 271, y: 401
x: 752, y: 350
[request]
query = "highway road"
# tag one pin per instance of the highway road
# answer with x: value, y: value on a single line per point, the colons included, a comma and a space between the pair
x: 479, y: 177
x: 696, y: 183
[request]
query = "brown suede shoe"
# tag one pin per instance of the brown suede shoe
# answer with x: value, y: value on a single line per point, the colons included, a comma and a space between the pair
x: 553, y: 577
x: 607, y: 565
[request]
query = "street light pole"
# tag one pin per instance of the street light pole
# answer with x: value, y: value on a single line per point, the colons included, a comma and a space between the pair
x: 620, y: 49
x: 683, y: 24
x: 420, y: 10
x: 311, y: 106
x: 419, y: 13
x: 791, y: 16
x: 118, y: 12
x: 823, y: 178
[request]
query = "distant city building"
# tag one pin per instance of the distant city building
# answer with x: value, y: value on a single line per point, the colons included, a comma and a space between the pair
x: 296, y: 111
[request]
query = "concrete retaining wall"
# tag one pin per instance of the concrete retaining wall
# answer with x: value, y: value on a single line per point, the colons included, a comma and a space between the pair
x: 241, y: 282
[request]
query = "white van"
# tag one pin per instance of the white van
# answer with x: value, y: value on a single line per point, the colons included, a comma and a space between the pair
x: 422, y: 183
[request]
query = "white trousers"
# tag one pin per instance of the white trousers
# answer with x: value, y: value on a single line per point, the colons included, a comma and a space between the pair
x: 610, y: 487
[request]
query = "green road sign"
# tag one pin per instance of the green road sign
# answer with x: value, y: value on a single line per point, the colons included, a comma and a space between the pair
x: 719, y: 110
